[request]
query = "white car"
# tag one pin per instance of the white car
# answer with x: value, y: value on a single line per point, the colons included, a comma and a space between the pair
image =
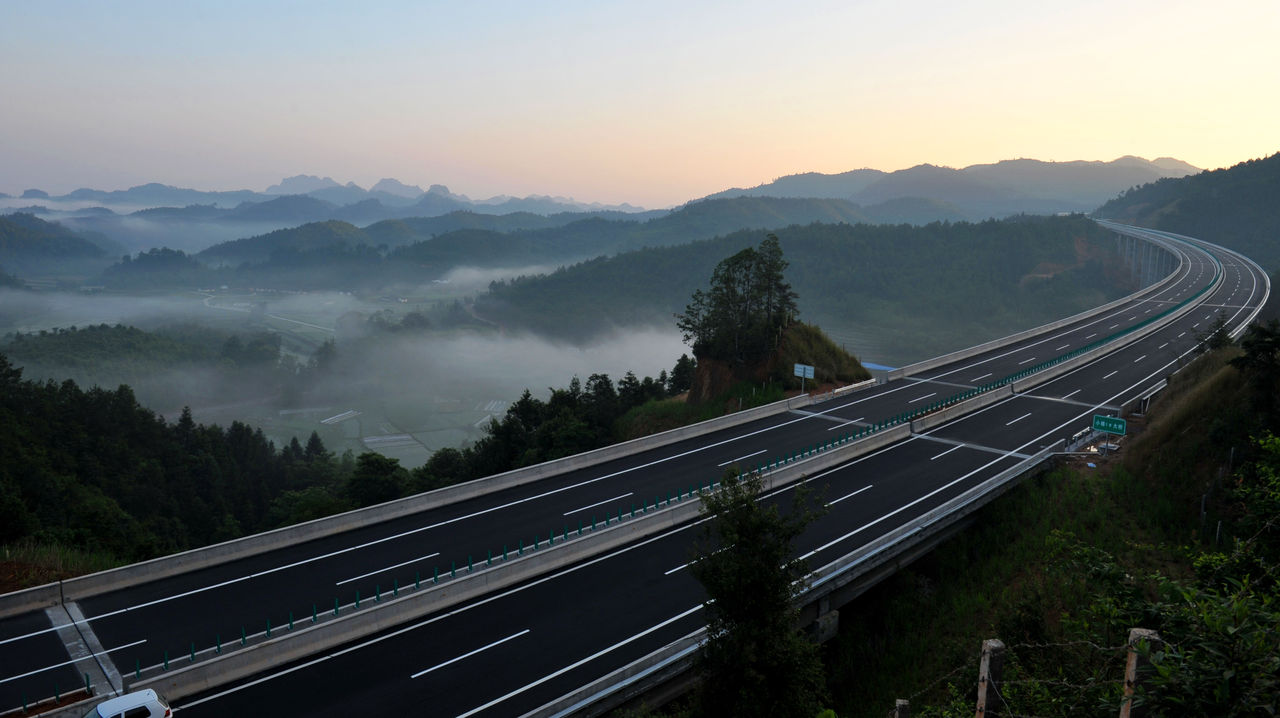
x: 140, y: 704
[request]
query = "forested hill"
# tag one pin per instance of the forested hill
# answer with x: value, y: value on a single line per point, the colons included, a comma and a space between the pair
x: 510, y: 240
x: 1237, y: 207
x: 937, y: 285
x: 392, y: 233
x: 30, y: 243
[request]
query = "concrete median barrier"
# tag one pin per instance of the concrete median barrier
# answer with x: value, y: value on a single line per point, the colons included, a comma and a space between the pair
x: 240, y: 663
x: 937, y: 418
x: 102, y: 582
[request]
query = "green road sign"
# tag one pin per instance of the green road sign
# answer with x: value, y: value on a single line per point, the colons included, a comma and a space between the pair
x: 1109, y: 424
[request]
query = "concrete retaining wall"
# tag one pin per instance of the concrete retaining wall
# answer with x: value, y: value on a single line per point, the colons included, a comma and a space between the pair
x: 85, y: 586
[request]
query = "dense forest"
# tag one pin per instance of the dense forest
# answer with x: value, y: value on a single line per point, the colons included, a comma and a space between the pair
x: 1237, y: 207
x: 918, y: 286
x: 30, y: 245
x: 94, y: 471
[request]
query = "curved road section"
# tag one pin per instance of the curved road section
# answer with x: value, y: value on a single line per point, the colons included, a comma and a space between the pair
x: 513, y: 650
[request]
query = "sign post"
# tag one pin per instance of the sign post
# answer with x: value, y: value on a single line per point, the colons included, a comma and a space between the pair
x: 1108, y: 425
x: 804, y: 371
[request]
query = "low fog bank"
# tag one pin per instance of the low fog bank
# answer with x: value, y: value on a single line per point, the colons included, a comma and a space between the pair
x: 26, y: 311
x: 477, y: 279
x: 138, y: 234
x: 438, y: 386
x: 408, y: 396
x: 505, y: 366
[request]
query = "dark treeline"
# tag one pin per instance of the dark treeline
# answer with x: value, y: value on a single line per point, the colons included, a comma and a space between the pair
x: 918, y: 281
x: 93, y: 470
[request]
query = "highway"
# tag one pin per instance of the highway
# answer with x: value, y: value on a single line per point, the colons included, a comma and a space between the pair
x: 515, y: 650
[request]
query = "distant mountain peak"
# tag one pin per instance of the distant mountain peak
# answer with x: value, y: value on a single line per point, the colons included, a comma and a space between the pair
x: 397, y: 188
x: 1175, y: 165
x: 302, y: 184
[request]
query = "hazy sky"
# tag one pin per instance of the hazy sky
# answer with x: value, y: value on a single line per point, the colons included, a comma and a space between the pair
x: 649, y: 102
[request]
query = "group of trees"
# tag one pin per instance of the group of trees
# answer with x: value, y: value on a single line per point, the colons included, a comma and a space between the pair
x: 741, y: 318
x: 573, y: 419
x: 757, y: 662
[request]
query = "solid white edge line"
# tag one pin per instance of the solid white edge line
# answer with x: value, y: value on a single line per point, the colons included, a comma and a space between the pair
x: 841, y: 426
x: 572, y: 666
x: 592, y: 506
x: 851, y: 495
x: 481, y: 649
x: 655, y: 538
x: 740, y: 458
x: 388, y: 568
x: 73, y: 660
